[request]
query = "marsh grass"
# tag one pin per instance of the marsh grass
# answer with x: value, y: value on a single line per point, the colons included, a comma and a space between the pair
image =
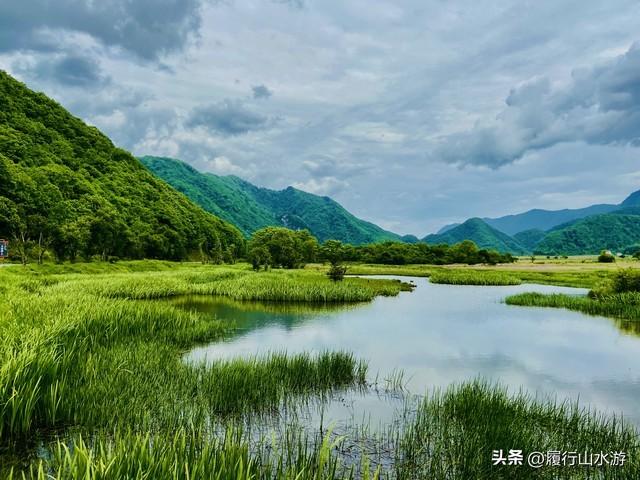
x: 82, y: 351
x: 455, y: 432
x: 473, y: 277
x: 624, y: 306
x: 450, y: 435
x: 189, y: 455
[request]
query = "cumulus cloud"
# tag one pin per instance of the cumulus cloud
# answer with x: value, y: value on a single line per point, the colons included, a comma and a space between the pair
x: 74, y: 70
x: 223, y: 166
x: 600, y: 106
x: 320, y: 166
x: 146, y: 28
x: 323, y: 186
x: 228, y: 118
x: 261, y: 91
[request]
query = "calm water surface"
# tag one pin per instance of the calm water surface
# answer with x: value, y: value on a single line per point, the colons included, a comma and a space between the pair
x: 443, y: 334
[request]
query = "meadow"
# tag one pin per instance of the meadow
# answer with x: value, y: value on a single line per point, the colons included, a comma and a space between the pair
x: 91, y: 366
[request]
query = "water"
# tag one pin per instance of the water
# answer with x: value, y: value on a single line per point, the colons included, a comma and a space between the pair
x: 440, y: 335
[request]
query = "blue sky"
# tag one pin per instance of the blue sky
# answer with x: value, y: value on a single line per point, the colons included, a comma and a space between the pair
x: 412, y: 114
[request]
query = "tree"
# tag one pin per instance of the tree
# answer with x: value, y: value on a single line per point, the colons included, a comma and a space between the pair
x: 334, y: 252
x: 259, y: 256
x: 286, y: 247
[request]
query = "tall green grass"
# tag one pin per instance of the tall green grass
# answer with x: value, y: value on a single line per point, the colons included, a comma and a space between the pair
x: 456, y: 431
x: 473, y: 277
x: 622, y: 305
x: 81, y: 351
x: 189, y: 455
x: 618, y: 297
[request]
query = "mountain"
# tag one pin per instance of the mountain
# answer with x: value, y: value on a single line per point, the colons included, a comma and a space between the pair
x: 613, y: 231
x: 251, y: 207
x: 530, y: 239
x: 65, y: 187
x: 484, y: 235
x: 538, y: 219
x: 632, y: 200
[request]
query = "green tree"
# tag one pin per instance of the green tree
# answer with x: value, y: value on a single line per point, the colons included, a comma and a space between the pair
x: 334, y: 252
x: 285, y: 247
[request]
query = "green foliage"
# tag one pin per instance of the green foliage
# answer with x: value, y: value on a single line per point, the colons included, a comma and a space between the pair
x: 482, y: 234
x: 613, y: 231
x: 281, y: 247
x: 529, y: 239
x: 252, y: 208
x: 66, y: 188
x: 396, y: 253
x: 606, y: 257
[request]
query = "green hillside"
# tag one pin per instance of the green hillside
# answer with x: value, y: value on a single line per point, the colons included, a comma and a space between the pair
x: 66, y: 188
x: 251, y: 207
x: 614, y: 231
x: 529, y: 239
x: 482, y: 234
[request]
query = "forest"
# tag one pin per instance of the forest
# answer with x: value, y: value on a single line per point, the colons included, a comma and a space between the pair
x: 67, y: 190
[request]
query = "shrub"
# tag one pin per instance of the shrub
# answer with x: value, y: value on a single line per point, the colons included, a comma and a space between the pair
x: 337, y: 272
x: 606, y: 257
x: 627, y: 280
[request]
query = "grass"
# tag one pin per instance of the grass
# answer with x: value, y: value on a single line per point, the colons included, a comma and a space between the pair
x: 455, y: 432
x: 451, y: 436
x: 624, y: 306
x: 568, y: 274
x: 82, y: 350
x: 457, y: 277
x: 618, y: 297
x: 88, y: 350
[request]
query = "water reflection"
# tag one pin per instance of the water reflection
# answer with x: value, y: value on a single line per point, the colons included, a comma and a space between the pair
x: 442, y: 334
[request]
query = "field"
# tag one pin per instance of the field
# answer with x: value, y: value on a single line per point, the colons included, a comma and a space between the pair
x: 91, y: 367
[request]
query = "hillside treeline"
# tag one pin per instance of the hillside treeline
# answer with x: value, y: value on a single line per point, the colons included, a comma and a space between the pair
x: 67, y: 190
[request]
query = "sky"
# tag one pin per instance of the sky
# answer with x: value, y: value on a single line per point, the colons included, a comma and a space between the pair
x: 412, y: 114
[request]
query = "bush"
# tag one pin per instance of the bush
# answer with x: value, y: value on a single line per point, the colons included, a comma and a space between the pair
x: 627, y: 280
x: 337, y: 272
x: 606, y: 257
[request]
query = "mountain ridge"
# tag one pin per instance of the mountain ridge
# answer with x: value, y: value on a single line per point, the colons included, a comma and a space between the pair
x: 230, y: 196
x: 482, y: 234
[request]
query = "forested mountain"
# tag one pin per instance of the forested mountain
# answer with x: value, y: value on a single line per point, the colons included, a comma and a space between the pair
x: 251, y: 207
x: 530, y: 239
x: 482, y: 234
x: 65, y: 187
x: 613, y: 231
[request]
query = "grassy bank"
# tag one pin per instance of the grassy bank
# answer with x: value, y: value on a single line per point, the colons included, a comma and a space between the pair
x: 576, y: 274
x: 471, y: 277
x: 82, y: 350
x: 617, y: 297
x: 624, y: 306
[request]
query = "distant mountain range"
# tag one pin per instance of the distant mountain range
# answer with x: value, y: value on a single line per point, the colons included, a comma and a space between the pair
x: 250, y: 207
x: 553, y: 232
x: 538, y: 219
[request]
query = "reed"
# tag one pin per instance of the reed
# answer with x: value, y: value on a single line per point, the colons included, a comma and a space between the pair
x: 456, y: 431
x: 624, y: 306
x: 473, y: 277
